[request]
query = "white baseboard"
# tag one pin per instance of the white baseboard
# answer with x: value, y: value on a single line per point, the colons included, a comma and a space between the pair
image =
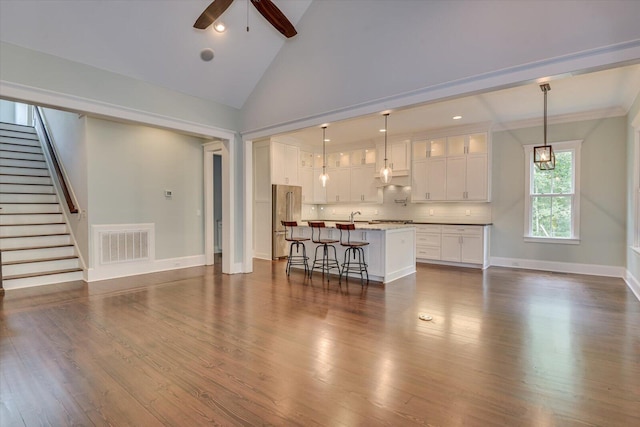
x: 134, y: 268
x: 633, y: 284
x: 559, y: 267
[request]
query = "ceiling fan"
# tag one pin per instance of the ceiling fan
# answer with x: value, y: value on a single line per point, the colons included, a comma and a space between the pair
x: 266, y: 8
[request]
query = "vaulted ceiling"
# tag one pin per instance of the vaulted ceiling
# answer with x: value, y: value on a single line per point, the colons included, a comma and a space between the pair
x: 154, y: 41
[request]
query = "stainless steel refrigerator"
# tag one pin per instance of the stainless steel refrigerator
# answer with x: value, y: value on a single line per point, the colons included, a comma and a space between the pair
x: 287, y: 206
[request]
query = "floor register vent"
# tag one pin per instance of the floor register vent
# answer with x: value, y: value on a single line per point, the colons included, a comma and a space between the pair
x: 124, y: 243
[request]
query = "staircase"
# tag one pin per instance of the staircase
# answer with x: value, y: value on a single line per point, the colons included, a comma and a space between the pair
x: 36, y: 245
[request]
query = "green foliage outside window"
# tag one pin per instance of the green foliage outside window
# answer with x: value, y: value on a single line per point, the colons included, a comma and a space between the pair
x: 552, y: 198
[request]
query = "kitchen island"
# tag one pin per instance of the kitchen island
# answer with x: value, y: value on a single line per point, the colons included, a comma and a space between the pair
x: 390, y: 254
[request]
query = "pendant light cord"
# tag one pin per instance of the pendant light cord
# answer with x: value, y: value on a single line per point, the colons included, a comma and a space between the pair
x: 324, y: 155
x: 385, y: 139
x: 545, y: 115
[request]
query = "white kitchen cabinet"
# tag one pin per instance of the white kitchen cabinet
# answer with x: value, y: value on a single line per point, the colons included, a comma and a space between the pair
x: 467, y: 168
x: 306, y: 180
x: 398, y: 156
x: 364, y: 156
x: 464, y: 244
x: 428, y: 241
x: 363, y: 184
x: 339, y: 185
x: 338, y: 160
x: 284, y: 164
x: 429, y: 180
x: 306, y: 160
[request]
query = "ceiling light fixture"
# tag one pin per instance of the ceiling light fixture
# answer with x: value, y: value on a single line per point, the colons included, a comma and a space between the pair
x: 543, y: 156
x: 457, y: 117
x: 385, y: 173
x: 219, y: 27
x: 324, y: 177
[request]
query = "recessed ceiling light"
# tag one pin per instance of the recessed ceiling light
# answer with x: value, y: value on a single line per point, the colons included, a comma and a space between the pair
x: 327, y: 140
x: 457, y: 117
x: 206, y: 54
x: 383, y: 130
x: 219, y: 27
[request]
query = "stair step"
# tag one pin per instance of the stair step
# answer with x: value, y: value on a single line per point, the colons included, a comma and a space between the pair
x: 28, y: 198
x: 11, y: 145
x: 23, y: 179
x: 29, y: 208
x: 45, y: 278
x: 15, y: 163
x: 13, y: 243
x: 28, y: 230
x: 19, y: 269
x: 7, y: 170
x: 26, y: 189
x: 16, y: 127
x: 30, y: 218
x: 46, y: 252
x: 8, y: 154
x: 26, y: 134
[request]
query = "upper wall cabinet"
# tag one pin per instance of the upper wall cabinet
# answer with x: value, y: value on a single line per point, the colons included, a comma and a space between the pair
x: 468, y: 167
x: 398, y: 156
x: 452, y: 168
x: 284, y: 164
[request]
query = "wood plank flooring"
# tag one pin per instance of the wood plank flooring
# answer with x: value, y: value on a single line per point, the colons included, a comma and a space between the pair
x: 193, y: 347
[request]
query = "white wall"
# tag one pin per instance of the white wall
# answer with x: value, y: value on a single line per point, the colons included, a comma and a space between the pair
x: 361, y: 56
x: 7, y: 111
x: 80, y: 87
x: 633, y: 156
x: 68, y: 133
x: 602, y: 185
x: 130, y: 167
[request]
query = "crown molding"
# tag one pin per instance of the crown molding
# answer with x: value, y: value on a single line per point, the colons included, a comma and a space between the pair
x: 604, y: 113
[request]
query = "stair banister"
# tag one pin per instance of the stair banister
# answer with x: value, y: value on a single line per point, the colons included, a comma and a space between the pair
x: 54, y: 160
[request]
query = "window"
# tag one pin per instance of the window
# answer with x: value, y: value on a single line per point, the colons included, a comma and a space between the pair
x: 552, y: 205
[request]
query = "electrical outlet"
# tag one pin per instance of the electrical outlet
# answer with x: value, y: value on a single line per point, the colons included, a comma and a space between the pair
x: 468, y: 212
x: 431, y: 212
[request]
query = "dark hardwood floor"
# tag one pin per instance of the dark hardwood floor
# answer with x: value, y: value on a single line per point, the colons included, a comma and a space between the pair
x: 194, y: 347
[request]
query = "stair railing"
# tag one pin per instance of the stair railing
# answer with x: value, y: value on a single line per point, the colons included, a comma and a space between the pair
x: 54, y: 160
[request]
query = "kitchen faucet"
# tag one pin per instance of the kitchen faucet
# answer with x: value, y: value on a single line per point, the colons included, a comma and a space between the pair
x: 354, y: 214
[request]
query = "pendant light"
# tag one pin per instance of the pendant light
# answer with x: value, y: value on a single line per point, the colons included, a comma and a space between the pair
x: 385, y: 173
x: 324, y: 177
x: 543, y: 155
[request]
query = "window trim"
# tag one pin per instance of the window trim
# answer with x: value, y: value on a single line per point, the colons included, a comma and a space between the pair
x: 576, y: 146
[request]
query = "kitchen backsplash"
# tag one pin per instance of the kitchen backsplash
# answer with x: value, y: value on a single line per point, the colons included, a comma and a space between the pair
x: 394, y: 207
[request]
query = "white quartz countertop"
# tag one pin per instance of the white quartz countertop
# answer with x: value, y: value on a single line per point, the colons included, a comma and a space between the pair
x: 364, y: 225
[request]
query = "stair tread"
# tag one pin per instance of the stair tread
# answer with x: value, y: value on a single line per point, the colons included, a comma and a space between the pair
x: 43, y: 273
x: 46, y: 194
x: 30, y: 261
x: 30, y: 213
x: 26, y: 167
x: 34, y: 235
x: 13, y: 174
x: 34, y: 223
x: 28, y: 203
x: 30, y: 248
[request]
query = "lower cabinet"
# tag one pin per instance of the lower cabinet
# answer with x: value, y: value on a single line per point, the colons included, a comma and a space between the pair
x: 466, y: 244
x: 428, y: 241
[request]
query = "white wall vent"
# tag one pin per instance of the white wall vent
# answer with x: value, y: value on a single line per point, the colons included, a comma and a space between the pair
x: 117, y: 244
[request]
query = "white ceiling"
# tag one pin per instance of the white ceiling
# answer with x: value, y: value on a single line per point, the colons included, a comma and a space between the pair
x: 154, y: 40
x: 605, y: 92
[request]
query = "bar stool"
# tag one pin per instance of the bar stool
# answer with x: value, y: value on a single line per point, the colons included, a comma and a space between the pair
x: 325, y: 263
x: 297, y: 243
x: 354, y: 251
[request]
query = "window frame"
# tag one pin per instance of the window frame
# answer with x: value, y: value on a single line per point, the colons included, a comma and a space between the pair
x: 574, y: 239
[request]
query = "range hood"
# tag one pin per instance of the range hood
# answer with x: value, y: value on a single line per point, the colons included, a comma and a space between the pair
x: 401, y: 181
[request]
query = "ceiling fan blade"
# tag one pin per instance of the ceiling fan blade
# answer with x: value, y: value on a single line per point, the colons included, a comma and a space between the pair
x: 272, y: 14
x: 211, y: 13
